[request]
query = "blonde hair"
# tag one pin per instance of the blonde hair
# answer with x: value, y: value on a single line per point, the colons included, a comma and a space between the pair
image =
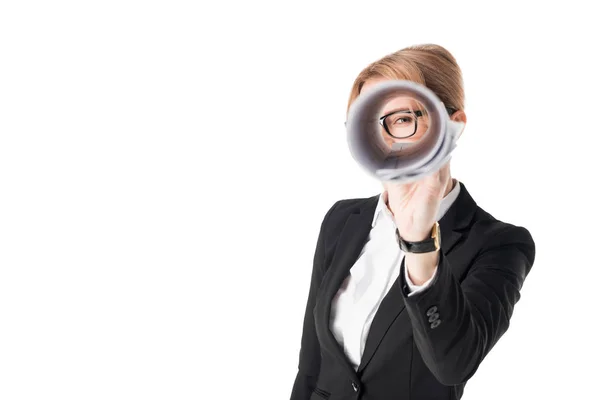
x: 430, y: 65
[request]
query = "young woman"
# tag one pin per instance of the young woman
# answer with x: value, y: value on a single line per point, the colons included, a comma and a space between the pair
x: 410, y: 288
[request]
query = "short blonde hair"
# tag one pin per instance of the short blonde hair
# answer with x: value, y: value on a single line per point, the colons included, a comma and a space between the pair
x: 430, y: 65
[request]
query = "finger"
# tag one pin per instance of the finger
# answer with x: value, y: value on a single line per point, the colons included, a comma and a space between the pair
x: 444, y: 173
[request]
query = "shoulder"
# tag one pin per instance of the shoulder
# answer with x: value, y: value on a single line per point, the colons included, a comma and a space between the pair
x: 340, y: 212
x: 479, y: 227
x: 492, y: 234
x: 471, y: 236
x: 341, y: 209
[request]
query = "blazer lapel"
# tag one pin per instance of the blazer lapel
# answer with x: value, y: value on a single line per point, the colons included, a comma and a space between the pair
x: 351, y: 241
x: 454, y: 225
x: 389, y: 309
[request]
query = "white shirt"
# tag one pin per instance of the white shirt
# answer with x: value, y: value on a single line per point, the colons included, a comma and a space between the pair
x: 371, y: 277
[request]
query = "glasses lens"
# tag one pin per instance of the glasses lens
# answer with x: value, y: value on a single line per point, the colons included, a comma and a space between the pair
x: 401, y: 124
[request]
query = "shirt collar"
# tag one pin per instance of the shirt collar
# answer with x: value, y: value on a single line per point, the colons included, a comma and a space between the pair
x: 444, y: 205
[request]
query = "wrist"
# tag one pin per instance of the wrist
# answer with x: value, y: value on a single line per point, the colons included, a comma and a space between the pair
x: 417, y: 235
x: 421, y: 267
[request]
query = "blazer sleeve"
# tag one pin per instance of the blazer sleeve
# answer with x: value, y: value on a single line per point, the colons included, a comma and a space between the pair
x: 310, y: 350
x: 474, y: 314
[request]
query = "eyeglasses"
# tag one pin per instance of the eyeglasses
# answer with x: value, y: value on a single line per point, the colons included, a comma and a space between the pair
x: 404, y: 123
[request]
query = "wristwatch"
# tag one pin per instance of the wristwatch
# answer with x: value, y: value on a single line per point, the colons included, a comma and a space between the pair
x: 425, y: 246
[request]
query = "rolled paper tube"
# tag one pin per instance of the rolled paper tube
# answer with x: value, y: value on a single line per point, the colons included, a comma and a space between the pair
x: 402, y: 162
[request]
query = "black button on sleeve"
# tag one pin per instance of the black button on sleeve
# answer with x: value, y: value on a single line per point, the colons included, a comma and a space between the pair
x: 431, y: 310
x: 434, y: 317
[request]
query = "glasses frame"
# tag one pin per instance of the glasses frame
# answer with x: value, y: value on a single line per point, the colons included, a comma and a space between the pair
x: 417, y: 113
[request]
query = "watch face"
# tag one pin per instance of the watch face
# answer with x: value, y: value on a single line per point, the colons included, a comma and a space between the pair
x: 436, y: 235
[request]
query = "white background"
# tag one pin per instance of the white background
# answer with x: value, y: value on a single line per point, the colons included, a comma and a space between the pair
x: 165, y: 167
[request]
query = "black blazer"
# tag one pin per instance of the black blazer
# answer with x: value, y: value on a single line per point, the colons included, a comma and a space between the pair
x: 483, y: 264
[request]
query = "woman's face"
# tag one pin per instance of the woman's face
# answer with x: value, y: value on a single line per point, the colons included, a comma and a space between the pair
x: 407, y: 120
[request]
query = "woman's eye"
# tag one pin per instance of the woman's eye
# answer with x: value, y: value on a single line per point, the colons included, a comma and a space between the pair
x: 403, y: 120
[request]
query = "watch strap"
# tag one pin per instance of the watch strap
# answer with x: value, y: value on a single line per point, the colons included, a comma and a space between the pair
x: 425, y: 246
